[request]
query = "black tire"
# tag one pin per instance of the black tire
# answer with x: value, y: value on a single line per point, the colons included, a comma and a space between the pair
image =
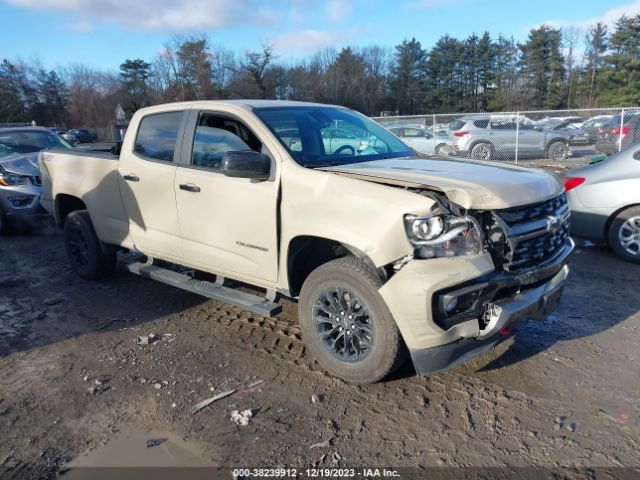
x: 482, y: 151
x: 385, y: 351
x: 626, y: 225
x: 557, y: 151
x: 83, y: 247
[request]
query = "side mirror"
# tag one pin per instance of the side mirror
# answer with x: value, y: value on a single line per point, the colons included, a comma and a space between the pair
x: 116, y: 149
x: 246, y: 164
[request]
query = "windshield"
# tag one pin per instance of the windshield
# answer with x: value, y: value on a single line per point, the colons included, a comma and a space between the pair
x: 29, y: 141
x: 325, y: 136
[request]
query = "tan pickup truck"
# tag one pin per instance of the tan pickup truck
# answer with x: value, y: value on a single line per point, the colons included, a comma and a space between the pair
x: 386, y: 251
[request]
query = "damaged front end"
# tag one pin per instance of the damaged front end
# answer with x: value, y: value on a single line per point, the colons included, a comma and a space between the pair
x: 519, y: 255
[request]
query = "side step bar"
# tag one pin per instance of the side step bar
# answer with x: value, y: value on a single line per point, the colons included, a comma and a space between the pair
x: 253, y: 303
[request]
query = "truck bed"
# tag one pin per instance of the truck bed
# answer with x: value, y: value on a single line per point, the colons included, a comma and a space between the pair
x: 93, y: 178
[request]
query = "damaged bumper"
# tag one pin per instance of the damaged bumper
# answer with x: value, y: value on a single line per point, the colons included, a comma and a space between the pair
x: 536, y: 303
x: 452, y: 309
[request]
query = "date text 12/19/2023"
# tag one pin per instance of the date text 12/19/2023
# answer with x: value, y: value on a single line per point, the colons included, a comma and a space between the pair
x: 240, y: 473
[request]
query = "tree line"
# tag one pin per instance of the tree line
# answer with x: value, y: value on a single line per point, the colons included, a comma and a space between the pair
x: 553, y: 68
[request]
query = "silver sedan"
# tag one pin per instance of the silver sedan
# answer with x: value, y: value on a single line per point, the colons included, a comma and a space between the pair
x: 605, y: 202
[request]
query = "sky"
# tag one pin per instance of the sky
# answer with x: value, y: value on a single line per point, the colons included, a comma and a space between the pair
x: 102, y: 33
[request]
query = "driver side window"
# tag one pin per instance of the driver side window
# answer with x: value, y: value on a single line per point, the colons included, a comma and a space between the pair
x: 217, y: 134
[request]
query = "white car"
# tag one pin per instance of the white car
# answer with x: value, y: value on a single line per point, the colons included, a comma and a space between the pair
x: 422, y: 140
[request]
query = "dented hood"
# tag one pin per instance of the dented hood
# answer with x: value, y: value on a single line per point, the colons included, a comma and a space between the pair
x: 469, y: 183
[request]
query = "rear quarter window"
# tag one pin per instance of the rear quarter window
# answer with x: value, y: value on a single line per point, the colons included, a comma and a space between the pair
x: 456, y: 125
x: 157, y: 135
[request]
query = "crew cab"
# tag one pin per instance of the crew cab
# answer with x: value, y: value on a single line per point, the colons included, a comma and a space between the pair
x: 386, y: 251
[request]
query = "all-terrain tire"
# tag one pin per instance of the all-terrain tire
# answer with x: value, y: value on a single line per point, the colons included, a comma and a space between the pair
x: 387, y: 350
x: 626, y: 225
x: 84, y: 250
x: 482, y: 151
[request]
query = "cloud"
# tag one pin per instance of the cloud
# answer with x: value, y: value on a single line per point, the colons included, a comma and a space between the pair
x: 609, y: 17
x: 306, y: 41
x: 338, y: 10
x: 160, y: 15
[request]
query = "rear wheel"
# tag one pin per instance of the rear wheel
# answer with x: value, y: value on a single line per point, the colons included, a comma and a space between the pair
x: 444, y: 150
x: 557, y: 151
x: 482, y: 151
x: 83, y: 247
x: 346, y: 324
x: 624, y: 234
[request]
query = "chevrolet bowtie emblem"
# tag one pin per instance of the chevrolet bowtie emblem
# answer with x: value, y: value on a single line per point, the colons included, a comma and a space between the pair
x: 553, y: 223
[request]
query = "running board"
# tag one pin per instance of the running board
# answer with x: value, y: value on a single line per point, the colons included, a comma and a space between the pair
x: 253, y: 303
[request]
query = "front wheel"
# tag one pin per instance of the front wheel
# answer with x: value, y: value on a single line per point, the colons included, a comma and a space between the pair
x: 558, y: 151
x: 346, y: 324
x: 624, y: 234
x: 83, y: 247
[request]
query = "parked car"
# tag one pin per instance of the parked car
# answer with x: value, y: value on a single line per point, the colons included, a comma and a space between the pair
x: 575, y: 120
x: 577, y: 136
x: 386, y: 251
x: 613, y: 137
x: 80, y: 135
x: 440, y: 129
x: 422, y: 140
x: 486, y: 137
x: 605, y: 202
x: 339, y: 139
x: 20, y: 185
x: 593, y: 125
x: 57, y: 131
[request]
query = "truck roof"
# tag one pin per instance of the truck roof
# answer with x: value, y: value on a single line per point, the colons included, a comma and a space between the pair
x: 246, y: 103
x: 24, y: 129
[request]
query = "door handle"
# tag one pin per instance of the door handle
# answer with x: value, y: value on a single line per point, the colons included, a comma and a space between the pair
x: 189, y: 187
x: 131, y: 178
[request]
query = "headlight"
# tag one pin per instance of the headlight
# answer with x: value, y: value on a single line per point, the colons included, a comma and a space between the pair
x: 443, y: 235
x: 9, y: 180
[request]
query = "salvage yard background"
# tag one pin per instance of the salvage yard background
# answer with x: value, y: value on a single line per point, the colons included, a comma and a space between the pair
x: 74, y: 375
x: 594, y: 66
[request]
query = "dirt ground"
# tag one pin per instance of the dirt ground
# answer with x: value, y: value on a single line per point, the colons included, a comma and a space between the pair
x: 72, y: 376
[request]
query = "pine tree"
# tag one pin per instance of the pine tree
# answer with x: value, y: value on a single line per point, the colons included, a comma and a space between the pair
x: 407, y: 76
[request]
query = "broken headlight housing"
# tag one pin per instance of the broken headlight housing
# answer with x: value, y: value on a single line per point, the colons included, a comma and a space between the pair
x: 11, y: 179
x: 443, y: 235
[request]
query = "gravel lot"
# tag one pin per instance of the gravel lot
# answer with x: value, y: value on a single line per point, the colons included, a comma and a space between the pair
x: 563, y: 393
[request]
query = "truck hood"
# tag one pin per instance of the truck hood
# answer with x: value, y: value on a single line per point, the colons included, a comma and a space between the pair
x: 26, y: 164
x: 471, y: 184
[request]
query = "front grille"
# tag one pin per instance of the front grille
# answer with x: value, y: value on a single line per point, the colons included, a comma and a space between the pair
x: 533, y: 233
x: 36, y: 180
x: 519, y: 215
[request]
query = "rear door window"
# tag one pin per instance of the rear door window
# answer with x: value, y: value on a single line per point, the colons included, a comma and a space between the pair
x: 157, y: 136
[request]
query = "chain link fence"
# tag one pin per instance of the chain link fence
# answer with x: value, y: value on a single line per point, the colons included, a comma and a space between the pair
x: 554, y: 137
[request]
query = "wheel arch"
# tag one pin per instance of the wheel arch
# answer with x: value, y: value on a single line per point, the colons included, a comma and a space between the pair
x: 482, y: 140
x: 611, y: 218
x: 566, y: 141
x: 64, y: 205
x: 305, y: 253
